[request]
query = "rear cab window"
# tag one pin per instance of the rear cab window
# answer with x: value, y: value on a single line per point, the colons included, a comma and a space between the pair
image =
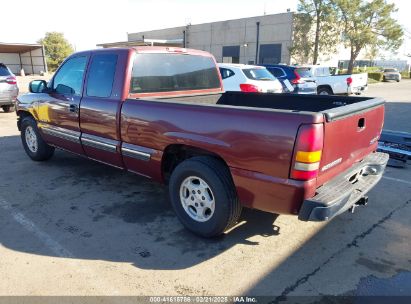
x: 258, y: 74
x: 322, y: 71
x: 170, y: 72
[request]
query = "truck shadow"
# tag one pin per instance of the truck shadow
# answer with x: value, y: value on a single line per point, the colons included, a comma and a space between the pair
x: 101, y: 213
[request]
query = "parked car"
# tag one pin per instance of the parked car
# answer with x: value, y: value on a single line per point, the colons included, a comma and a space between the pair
x: 8, y: 88
x: 248, y: 78
x: 391, y: 74
x: 162, y: 113
x: 301, y: 78
x: 329, y: 83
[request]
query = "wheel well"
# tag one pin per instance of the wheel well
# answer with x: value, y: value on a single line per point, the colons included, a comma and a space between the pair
x: 325, y: 87
x: 22, y: 115
x: 175, y: 154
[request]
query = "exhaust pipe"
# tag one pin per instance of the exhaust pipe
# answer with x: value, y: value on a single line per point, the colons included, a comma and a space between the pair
x: 363, y: 201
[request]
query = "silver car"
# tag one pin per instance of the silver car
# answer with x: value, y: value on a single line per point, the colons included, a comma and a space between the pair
x: 391, y: 74
x: 8, y: 88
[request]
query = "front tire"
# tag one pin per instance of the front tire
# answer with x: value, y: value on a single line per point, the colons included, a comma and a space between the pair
x: 203, y: 196
x: 35, y: 147
x: 7, y: 109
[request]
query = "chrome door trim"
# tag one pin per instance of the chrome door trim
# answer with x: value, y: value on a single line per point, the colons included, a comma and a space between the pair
x: 136, y: 152
x: 62, y: 133
x: 99, y: 143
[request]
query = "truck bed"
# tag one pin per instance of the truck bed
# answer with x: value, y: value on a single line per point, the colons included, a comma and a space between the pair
x: 332, y: 107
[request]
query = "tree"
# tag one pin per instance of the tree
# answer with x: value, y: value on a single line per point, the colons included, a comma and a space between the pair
x: 57, y: 49
x: 368, y: 24
x: 315, y: 29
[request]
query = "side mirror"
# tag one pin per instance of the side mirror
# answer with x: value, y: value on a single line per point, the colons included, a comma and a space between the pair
x: 37, y: 86
x: 63, y: 89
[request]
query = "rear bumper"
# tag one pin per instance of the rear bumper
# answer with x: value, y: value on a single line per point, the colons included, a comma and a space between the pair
x: 6, y: 102
x: 306, y: 90
x: 342, y: 192
x: 8, y: 98
x: 357, y: 90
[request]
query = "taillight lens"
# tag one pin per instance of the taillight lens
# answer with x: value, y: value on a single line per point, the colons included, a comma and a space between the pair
x: 297, y: 79
x: 349, y: 81
x: 307, y: 152
x: 246, y: 87
x: 11, y: 80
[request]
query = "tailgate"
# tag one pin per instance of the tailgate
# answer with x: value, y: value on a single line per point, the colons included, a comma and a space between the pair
x: 350, y: 134
x: 359, y: 80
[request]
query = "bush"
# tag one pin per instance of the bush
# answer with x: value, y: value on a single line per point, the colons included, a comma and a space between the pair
x: 378, y: 76
x: 374, y: 69
x: 405, y: 74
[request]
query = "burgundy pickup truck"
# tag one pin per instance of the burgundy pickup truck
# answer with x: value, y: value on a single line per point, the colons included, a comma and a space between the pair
x: 163, y: 113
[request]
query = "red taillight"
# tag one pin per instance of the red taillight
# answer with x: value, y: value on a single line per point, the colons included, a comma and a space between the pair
x: 307, y: 152
x: 11, y: 80
x: 245, y: 87
x: 349, y: 81
x: 297, y: 79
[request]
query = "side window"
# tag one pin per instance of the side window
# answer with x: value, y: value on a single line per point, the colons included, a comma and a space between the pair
x: 69, y: 78
x: 226, y: 73
x: 276, y: 72
x: 101, y: 75
x: 319, y: 72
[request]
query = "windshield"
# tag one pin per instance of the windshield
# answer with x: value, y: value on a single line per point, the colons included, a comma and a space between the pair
x: 258, y: 74
x: 390, y: 70
x: 304, y: 72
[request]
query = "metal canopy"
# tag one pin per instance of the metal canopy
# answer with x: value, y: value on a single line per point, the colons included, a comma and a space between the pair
x: 27, y: 57
x: 18, y: 47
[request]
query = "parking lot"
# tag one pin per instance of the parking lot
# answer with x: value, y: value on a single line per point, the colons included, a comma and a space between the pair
x: 71, y: 226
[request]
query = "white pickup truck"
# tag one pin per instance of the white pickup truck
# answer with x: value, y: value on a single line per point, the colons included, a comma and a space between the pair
x: 330, y: 84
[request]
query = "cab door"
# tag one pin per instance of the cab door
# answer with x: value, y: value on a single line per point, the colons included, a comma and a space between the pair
x: 100, y: 106
x: 58, y: 110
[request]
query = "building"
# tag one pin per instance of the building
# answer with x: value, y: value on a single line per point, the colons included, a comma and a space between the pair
x: 263, y: 39
x: 27, y: 57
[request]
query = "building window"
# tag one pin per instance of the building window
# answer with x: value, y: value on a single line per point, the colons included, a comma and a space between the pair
x: 231, y: 54
x: 270, y: 53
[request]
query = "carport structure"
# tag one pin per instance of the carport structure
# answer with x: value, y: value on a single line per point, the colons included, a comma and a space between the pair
x: 18, y: 56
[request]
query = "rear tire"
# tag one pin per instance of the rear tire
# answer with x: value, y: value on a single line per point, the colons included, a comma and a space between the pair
x: 324, y: 91
x: 201, y: 180
x: 7, y: 109
x: 35, y: 147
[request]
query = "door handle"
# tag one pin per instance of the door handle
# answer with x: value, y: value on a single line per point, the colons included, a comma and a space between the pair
x: 73, y: 108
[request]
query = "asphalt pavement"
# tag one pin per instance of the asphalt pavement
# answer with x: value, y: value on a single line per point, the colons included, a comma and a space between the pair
x: 71, y: 226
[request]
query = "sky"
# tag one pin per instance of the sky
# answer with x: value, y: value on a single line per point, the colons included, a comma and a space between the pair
x: 87, y: 23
